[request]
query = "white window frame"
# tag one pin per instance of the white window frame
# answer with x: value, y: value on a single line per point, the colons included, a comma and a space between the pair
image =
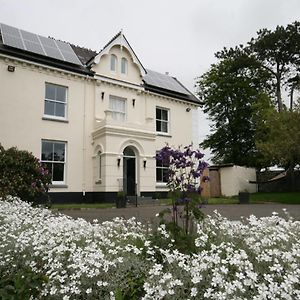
x: 124, y: 66
x: 115, y: 58
x: 115, y: 111
x: 164, y: 121
x: 63, y: 182
x: 161, y: 168
x: 56, y: 101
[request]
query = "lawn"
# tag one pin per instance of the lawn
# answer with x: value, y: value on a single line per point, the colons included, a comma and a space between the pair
x: 111, y: 205
x: 221, y: 200
x: 286, y: 198
x: 259, y: 198
x: 82, y: 205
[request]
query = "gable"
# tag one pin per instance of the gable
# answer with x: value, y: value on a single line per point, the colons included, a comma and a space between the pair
x: 120, y: 40
x: 124, y: 67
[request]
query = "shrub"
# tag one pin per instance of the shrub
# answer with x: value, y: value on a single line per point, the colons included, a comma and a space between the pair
x: 22, y: 175
x: 51, y: 256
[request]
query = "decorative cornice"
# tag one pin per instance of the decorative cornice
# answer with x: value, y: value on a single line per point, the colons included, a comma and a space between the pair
x: 124, y: 131
x: 34, y: 66
x: 185, y: 102
x: 118, y: 82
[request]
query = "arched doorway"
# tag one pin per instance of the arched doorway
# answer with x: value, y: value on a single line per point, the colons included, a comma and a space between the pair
x: 129, y: 171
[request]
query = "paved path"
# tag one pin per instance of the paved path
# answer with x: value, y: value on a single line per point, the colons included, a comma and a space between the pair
x: 147, y: 213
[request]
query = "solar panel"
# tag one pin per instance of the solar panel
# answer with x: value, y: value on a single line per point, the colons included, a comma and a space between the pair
x: 164, y: 81
x: 47, y: 42
x: 50, y: 47
x: 34, y: 43
x: 13, y: 41
x: 53, y: 52
x: 70, y: 56
x: 29, y: 36
x: 34, y: 47
x: 67, y: 52
x: 10, y: 30
x: 63, y: 46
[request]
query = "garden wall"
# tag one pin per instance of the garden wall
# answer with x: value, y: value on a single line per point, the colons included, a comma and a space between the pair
x: 228, y: 180
x: 285, y: 184
x: 236, y: 179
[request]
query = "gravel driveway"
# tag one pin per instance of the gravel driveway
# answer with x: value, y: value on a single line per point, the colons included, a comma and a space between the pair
x: 147, y: 213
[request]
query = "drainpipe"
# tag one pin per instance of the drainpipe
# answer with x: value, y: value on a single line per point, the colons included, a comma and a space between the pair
x: 83, y: 139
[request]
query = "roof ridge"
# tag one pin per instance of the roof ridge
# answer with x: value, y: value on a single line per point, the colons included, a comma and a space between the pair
x: 111, y: 40
x: 183, y: 86
x: 84, y: 48
x: 53, y: 38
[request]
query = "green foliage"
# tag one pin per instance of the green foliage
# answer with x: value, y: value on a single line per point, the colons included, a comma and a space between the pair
x: 179, y: 222
x: 280, y: 140
x: 234, y: 94
x: 239, y: 90
x: 22, y: 284
x: 22, y: 175
x: 286, y: 198
x: 133, y: 286
x: 120, y: 194
x: 278, y: 52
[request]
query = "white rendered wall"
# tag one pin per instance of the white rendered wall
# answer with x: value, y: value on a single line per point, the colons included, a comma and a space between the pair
x: 236, y: 179
x: 89, y: 127
x: 22, y: 97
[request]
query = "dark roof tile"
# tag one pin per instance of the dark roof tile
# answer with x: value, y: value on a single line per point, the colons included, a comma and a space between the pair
x: 84, y: 54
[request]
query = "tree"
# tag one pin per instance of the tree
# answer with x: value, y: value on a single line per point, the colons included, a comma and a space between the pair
x: 22, y: 175
x: 239, y: 90
x: 278, y: 52
x: 280, y: 142
x: 234, y: 92
x: 293, y: 84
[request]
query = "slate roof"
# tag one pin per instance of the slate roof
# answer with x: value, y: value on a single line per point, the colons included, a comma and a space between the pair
x: 84, y: 54
x: 168, y: 86
x: 163, y: 84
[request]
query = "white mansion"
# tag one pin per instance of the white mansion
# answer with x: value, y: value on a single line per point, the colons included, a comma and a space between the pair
x: 95, y: 119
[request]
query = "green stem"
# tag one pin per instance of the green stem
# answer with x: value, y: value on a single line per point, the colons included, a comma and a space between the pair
x: 187, y: 218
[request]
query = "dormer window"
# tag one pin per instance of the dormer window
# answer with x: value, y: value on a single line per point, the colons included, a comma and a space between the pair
x: 124, y: 65
x: 113, y: 63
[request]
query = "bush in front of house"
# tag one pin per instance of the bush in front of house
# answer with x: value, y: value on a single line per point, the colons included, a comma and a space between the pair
x: 22, y: 175
x: 57, y: 257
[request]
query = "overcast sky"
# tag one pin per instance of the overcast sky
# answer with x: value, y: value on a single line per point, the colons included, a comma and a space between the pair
x: 179, y: 37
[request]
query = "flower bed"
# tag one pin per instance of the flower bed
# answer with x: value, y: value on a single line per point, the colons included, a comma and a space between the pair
x: 55, y: 257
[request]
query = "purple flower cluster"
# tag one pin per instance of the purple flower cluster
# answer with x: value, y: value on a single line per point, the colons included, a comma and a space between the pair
x: 185, y: 168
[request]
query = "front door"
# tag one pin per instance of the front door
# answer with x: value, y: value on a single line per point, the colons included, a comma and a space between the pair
x: 129, y: 172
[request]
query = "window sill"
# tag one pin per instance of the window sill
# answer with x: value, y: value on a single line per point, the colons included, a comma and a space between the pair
x: 55, y: 186
x: 54, y: 119
x: 163, y: 134
x: 161, y: 185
